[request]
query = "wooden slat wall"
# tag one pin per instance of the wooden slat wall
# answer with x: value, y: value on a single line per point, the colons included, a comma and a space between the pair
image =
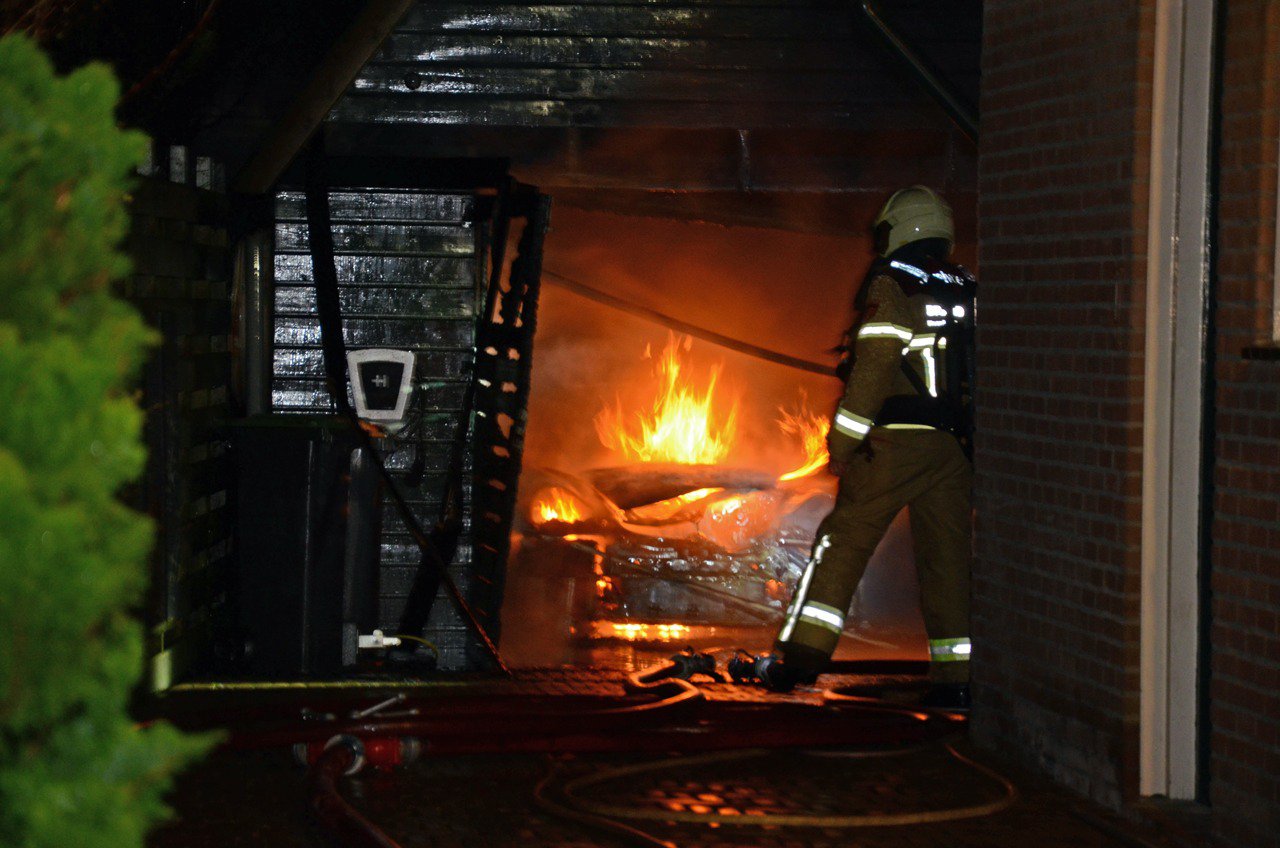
x: 769, y: 112
x: 711, y: 64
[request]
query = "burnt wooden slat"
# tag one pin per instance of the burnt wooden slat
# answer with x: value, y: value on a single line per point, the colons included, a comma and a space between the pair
x: 448, y: 633
x: 398, y: 239
x: 572, y: 84
x: 391, y: 269
x: 393, y: 525
x: 379, y: 332
x: 349, y: 51
x: 407, y: 554
x: 390, y: 108
x: 290, y: 396
x: 382, y: 206
x: 381, y: 301
x: 817, y: 51
x: 691, y: 20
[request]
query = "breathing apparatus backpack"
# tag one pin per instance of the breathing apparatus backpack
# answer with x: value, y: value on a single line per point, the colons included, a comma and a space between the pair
x: 950, y: 291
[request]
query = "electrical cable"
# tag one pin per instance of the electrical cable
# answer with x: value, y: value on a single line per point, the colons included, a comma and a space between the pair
x: 430, y: 645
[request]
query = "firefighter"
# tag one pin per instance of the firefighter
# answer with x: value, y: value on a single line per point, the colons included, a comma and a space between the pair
x: 899, y: 438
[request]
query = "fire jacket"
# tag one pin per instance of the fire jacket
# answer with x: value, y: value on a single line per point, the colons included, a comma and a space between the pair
x: 920, y: 317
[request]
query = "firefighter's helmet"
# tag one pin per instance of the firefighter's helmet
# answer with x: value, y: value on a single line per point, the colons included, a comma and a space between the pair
x: 913, y: 214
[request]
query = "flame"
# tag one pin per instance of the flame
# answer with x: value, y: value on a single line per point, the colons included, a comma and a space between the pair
x: 683, y: 425
x: 812, y: 431
x: 667, y: 509
x: 726, y: 506
x: 555, y: 504
x: 634, y: 632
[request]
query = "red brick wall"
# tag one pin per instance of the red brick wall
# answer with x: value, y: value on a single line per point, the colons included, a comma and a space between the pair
x: 1063, y: 166
x: 1063, y: 207
x: 1244, y: 786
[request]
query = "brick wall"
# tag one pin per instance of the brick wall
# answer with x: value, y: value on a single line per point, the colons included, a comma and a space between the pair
x: 1244, y: 788
x: 1063, y: 168
x: 1063, y: 206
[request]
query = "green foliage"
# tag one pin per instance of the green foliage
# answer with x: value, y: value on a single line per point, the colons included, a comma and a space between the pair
x: 74, y: 769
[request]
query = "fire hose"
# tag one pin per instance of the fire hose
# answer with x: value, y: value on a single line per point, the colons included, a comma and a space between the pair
x: 606, y: 815
x: 345, y: 750
x: 673, y: 323
x: 623, y: 811
x: 344, y: 754
x: 343, y: 821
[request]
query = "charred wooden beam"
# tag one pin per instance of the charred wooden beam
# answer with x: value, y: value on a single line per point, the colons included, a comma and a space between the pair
x: 341, y: 65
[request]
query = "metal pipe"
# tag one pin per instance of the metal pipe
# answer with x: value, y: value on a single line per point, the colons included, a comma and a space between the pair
x: 959, y: 112
x: 256, y: 272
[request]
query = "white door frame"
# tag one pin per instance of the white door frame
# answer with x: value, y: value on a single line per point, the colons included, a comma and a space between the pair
x: 1177, y: 285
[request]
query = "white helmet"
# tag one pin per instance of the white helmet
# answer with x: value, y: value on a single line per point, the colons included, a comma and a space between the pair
x: 913, y: 214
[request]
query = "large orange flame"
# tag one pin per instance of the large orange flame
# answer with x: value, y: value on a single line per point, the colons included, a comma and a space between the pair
x: 812, y: 431
x: 683, y: 426
x: 555, y: 504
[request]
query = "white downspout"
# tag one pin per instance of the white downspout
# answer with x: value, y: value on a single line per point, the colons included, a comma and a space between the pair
x: 1177, y: 284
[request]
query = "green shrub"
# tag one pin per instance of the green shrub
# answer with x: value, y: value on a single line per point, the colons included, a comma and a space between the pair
x: 74, y: 768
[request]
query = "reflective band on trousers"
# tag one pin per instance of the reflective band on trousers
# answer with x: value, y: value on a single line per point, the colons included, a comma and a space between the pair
x: 950, y: 650
x: 883, y: 329
x: 930, y: 371
x: 852, y: 425
x: 826, y: 617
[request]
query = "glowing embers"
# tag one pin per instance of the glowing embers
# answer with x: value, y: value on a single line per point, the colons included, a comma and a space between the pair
x: 555, y: 506
x: 812, y: 432
x: 683, y: 424
x: 633, y: 631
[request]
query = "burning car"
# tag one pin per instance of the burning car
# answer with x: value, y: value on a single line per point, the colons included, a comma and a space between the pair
x: 693, y: 544
x: 675, y: 536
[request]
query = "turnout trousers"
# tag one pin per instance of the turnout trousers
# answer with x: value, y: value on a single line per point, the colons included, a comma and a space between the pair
x: 925, y: 471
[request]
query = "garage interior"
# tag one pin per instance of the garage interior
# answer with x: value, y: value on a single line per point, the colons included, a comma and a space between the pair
x: 593, y: 222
